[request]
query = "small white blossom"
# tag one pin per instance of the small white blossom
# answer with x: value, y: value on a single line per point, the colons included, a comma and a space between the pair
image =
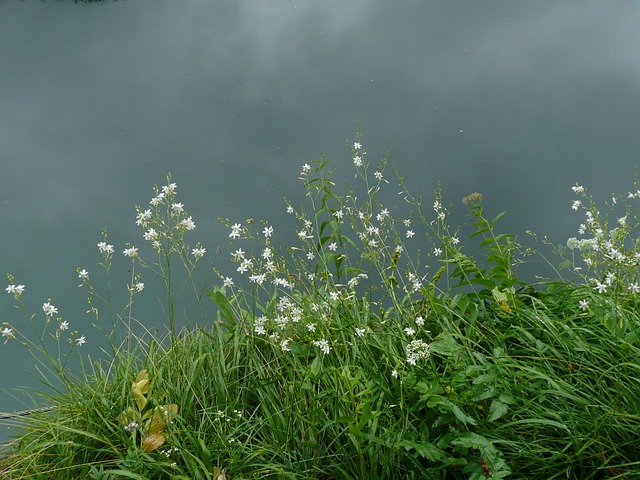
x: 81, y: 341
x: 132, y: 426
x: 7, y: 332
x: 333, y: 246
x: 323, y: 345
x: 409, y: 331
x: 610, y: 277
x: 227, y: 282
x: 584, y: 304
x: 306, y: 168
x: 416, y: 350
x: 601, y: 287
x: 83, y: 274
x: 64, y: 325
x: 394, y: 373
x: 177, y: 207
x: 143, y: 217
x: 188, y: 224
x: 105, y: 248
x: 339, y: 214
x: 357, y: 146
x: 258, y: 279
x: 410, y: 233
x: 576, y: 204
x: 15, y: 290
x: 437, y: 251
x: 198, y: 252
x: 290, y: 209
x: 378, y: 175
x: 360, y: 332
x: 139, y: 286
x: 150, y: 234
x: 235, y: 231
x: 130, y: 252
x: 267, y: 232
x: 419, y: 321
x: 168, y: 189
x: 245, y: 265
x: 157, y: 200
x: 357, y: 161
x: 49, y: 310
x: 577, y: 189
x: 634, y: 288
x: 310, y: 255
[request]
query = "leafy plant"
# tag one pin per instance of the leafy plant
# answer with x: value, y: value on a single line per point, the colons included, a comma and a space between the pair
x: 147, y: 416
x: 374, y: 346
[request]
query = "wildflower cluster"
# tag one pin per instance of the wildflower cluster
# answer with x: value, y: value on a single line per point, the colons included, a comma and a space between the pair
x: 50, y: 312
x: 164, y: 223
x: 325, y: 348
x: 609, y: 248
x: 417, y: 350
x: 304, y: 289
x: 220, y: 415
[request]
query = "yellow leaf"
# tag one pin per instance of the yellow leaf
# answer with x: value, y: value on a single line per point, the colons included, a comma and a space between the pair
x: 505, y: 306
x: 161, y: 415
x: 140, y: 387
x: 219, y: 474
x: 152, y: 442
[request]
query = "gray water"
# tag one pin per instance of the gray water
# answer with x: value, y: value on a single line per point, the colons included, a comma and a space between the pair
x: 517, y: 100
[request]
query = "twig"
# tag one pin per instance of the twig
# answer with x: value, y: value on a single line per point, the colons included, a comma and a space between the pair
x: 24, y: 413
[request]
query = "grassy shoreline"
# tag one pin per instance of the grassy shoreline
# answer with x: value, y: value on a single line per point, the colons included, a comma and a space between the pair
x: 374, y: 348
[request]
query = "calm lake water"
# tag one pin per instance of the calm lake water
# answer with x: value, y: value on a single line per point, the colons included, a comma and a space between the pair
x: 516, y: 100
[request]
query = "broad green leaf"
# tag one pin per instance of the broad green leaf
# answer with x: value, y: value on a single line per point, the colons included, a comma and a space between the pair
x: 463, y: 417
x: 497, y: 410
x: 222, y: 302
x: 473, y: 440
x: 425, y: 449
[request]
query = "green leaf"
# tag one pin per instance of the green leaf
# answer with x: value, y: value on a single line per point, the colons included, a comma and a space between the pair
x: 473, y: 440
x: 445, y: 345
x: 497, y: 410
x: 314, y: 368
x: 221, y: 300
x: 463, y: 417
x: 425, y: 449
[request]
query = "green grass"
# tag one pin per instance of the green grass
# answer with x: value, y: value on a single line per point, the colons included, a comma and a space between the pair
x: 362, y: 351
